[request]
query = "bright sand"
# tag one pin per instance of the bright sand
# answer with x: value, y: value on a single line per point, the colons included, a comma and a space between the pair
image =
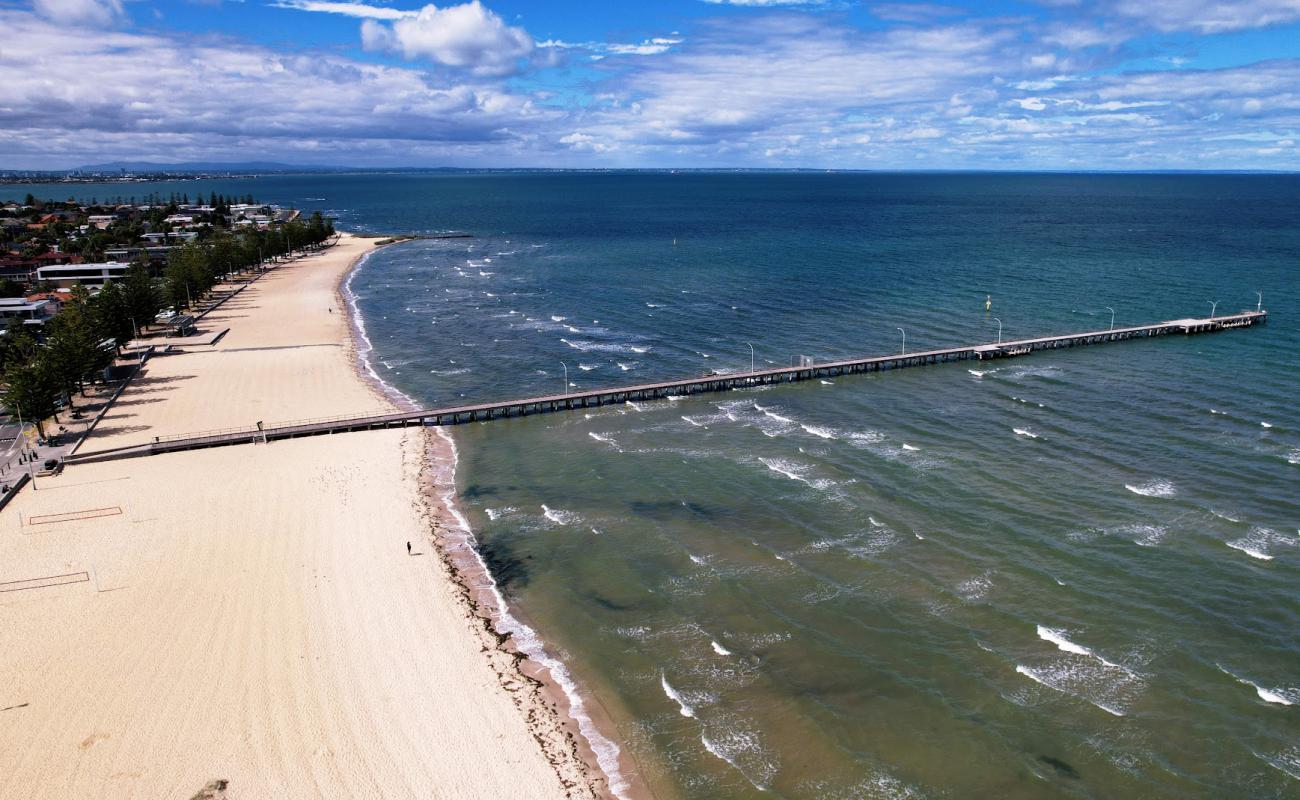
x: 250, y: 613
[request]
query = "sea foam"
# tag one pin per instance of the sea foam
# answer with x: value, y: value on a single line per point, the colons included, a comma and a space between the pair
x: 686, y: 710
x: 1153, y: 488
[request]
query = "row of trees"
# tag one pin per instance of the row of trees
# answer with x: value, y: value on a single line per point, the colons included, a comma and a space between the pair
x: 196, y: 267
x: 82, y: 339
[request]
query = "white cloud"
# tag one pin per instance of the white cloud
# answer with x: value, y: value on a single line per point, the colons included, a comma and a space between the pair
x: 80, y: 12
x: 646, y: 47
x: 767, y: 3
x: 1210, y: 16
x: 467, y: 36
x: 347, y: 9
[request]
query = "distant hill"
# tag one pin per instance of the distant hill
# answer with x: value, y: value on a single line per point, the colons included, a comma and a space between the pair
x: 202, y: 166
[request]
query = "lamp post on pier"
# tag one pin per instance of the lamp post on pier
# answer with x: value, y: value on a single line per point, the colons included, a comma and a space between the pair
x: 1112, y: 317
x: 999, y: 322
x: 1260, y: 305
x: 900, y: 330
x: 1214, y: 304
x: 566, y: 377
x: 751, y: 357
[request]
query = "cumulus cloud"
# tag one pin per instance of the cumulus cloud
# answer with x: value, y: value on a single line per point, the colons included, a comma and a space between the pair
x: 80, y: 12
x: 169, y: 99
x: 467, y: 36
x: 776, y: 88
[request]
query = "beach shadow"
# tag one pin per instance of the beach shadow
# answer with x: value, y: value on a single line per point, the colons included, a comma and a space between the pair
x: 161, y: 380
x: 138, y: 402
x: 114, y: 430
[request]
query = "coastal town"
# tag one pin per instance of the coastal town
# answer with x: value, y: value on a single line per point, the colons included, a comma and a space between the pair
x: 85, y: 288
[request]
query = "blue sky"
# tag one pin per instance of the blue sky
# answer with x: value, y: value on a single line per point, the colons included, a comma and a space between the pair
x: 1051, y: 84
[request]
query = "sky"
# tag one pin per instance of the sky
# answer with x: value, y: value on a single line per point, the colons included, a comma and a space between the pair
x: 833, y: 84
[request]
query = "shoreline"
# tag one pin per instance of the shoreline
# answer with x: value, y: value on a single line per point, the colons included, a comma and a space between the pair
x: 255, y: 616
x: 555, y: 693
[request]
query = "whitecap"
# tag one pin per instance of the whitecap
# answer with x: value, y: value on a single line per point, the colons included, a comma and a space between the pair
x: 912, y: 448
x: 974, y: 588
x: 558, y: 516
x: 1286, y: 762
x: 1053, y: 680
x: 1057, y: 637
x: 733, y: 745
x: 1265, y: 424
x: 558, y: 319
x: 719, y: 649
x: 693, y: 422
x: 1248, y: 547
x: 794, y: 472
x: 1260, y: 542
x: 1024, y: 432
x: 686, y: 710
x: 825, y: 433
x: 977, y: 373
x: 828, y: 383
x: 1275, y: 696
x: 626, y: 366
x: 1153, y: 488
x: 587, y: 367
x: 605, y: 438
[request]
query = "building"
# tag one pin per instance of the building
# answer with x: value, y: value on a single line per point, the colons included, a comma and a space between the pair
x: 31, y: 312
x: 67, y: 275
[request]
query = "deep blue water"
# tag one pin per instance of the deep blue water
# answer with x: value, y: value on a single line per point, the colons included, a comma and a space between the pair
x: 1074, y: 574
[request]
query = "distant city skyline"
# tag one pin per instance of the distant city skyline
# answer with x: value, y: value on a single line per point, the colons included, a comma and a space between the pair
x: 1055, y: 84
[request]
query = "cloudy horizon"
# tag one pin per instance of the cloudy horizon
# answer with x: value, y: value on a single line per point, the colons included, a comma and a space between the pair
x: 1054, y: 84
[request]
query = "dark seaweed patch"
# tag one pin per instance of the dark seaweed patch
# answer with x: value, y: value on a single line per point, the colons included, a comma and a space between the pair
x: 505, y: 565
x: 1063, y: 769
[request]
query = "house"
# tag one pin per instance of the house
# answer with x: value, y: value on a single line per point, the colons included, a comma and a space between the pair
x: 102, y: 221
x: 54, y: 299
x: 179, y: 219
x: 68, y: 275
x: 31, y: 312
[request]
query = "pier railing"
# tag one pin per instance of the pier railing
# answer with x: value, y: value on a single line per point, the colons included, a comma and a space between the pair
x: 483, y: 412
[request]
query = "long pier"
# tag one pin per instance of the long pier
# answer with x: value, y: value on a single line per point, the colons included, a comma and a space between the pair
x: 675, y: 388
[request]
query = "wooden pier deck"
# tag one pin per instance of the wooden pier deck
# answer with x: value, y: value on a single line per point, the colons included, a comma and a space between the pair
x: 652, y: 391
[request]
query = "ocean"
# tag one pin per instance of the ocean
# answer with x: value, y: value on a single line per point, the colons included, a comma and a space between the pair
x: 1073, y: 574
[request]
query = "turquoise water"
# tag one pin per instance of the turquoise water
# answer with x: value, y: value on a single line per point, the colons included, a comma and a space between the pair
x: 1075, y: 574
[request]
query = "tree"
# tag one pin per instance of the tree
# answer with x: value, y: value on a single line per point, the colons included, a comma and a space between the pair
x: 10, y: 288
x: 140, y: 295
x: 17, y: 345
x: 29, y: 389
x: 73, y: 348
x: 110, y: 315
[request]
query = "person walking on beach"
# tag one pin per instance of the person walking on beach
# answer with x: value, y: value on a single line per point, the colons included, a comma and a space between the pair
x: 408, y: 548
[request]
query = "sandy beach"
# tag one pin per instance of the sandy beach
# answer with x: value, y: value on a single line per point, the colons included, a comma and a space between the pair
x: 251, y: 614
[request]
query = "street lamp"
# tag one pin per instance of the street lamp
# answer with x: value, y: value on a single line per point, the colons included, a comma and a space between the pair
x: 751, y: 357
x: 900, y: 330
x: 999, y: 322
x: 1112, y: 316
x: 1260, y: 305
x: 1214, y: 304
x: 566, y: 377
